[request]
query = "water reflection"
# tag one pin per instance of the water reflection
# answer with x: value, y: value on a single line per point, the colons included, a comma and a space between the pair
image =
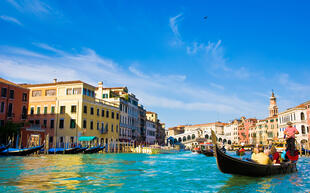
x: 182, y: 172
x: 47, y: 173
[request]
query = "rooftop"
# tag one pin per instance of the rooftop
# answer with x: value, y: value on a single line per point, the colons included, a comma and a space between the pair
x: 11, y: 83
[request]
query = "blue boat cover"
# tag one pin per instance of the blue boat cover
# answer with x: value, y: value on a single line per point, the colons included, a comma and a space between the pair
x: 86, y: 138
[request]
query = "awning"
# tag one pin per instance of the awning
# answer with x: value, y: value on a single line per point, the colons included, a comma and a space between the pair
x: 86, y: 138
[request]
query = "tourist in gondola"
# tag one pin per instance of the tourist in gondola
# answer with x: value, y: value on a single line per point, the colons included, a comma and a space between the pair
x: 254, y: 153
x: 275, y: 155
x: 261, y: 157
x: 290, y: 132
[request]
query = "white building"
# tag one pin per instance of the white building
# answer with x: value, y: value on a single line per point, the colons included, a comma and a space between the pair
x: 297, y: 116
x: 231, y: 132
x: 193, y: 134
x: 150, y: 137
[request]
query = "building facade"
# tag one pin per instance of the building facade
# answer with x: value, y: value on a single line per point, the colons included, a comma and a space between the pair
x: 14, y: 101
x: 296, y: 115
x: 69, y: 110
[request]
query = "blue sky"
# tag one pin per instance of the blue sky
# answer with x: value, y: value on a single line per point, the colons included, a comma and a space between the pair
x: 186, y: 68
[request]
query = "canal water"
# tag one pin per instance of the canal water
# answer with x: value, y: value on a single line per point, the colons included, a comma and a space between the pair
x: 182, y: 172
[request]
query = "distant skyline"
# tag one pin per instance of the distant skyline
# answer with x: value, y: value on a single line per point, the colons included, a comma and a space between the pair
x: 188, y: 68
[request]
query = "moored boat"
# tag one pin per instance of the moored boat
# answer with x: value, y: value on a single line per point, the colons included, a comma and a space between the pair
x: 93, y: 149
x: 208, y: 153
x: 20, y: 152
x: 231, y: 165
x: 4, y: 147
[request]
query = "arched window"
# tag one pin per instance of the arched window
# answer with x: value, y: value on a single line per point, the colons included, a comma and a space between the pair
x: 220, y: 139
x: 207, y: 136
x: 188, y: 137
x: 184, y: 138
x: 193, y: 136
x: 224, y: 141
x: 229, y: 142
x: 307, y: 129
x: 303, y: 129
x: 302, y: 116
x: 180, y: 139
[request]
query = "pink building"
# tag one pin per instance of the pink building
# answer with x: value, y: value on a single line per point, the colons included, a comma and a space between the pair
x: 248, y: 125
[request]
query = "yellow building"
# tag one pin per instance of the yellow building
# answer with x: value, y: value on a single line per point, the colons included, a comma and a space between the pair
x: 71, y: 110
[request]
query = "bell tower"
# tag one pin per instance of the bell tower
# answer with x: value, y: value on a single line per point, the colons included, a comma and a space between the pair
x: 273, y: 108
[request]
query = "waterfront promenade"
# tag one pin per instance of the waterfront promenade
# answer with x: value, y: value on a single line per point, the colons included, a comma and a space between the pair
x: 182, y: 172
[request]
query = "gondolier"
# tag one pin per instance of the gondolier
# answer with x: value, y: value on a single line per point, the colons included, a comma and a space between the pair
x: 290, y: 137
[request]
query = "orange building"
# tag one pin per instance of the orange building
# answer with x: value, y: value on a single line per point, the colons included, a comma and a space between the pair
x: 13, y: 102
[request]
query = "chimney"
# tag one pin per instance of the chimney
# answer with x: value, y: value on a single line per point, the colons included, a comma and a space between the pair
x: 55, y: 80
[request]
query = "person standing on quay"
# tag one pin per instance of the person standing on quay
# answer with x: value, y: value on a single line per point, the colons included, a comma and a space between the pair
x: 290, y: 137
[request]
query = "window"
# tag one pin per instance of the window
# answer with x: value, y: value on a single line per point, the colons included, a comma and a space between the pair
x: 112, y: 127
x: 116, y: 128
x: 105, y: 96
x: 10, y: 110
x: 44, y: 123
x: 11, y: 94
x: 3, y: 92
x: 106, y: 127
x: 303, y: 129
x: 52, y: 124
x: 52, y: 109
x: 77, y: 91
x: 69, y: 91
x: 73, y: 108
x: 62, y: 109
x: 72, y: 123
x: 31, y: 110
x: 51, y: 139
x: 36, y: 93
x: 302, y: 116
x: 24, y: 97
x: 102, y: 113
x: 91, y: 110
x: 2, y: 107
x: 85, y: 109
x: 45, y: 110
x: 98, y: 113
x: 91, y: 125
x: 61, y: 123
x: 24, y: 112
x: 50, y: 92
x: 84, y: 124
x: 107, y: 114
x: 37, y: 122
x: 97, y: 125
x: 38, y: 110
x: 112, y: 114
x: 117, y: 116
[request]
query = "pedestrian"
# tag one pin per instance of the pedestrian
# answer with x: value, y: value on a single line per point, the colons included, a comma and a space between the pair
x: 290, y: 132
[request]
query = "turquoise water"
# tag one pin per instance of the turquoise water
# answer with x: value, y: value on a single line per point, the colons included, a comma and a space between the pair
x: 182, y: 172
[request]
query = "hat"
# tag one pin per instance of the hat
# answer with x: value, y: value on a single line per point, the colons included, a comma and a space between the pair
x: 289, y: 123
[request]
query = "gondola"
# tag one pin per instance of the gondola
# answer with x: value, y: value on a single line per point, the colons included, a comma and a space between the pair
x: 21, y: 152
x: 4, y: 147
x: 238, y: 153
x: 231, y: 165
x: 72, y: 150
x: 208, y: 153
x: 81, y: 149
x: 93, y: 149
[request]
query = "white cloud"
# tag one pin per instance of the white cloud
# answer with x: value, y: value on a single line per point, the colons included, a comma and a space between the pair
x: 36, y: 7
x: 217, y: 86
x: 169, y: 91
x: 10, y: 19
x: 173, y: 23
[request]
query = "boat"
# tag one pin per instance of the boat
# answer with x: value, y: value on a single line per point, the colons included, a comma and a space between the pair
x: 4, y: 147
x: 72, y: 150
x: 235, y: 166
x: 81, y: 149
x: 207, y: 149
x: 208, y: 153
x: 93, y: 149
x: 240, y: 153
x: 21, y: 152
